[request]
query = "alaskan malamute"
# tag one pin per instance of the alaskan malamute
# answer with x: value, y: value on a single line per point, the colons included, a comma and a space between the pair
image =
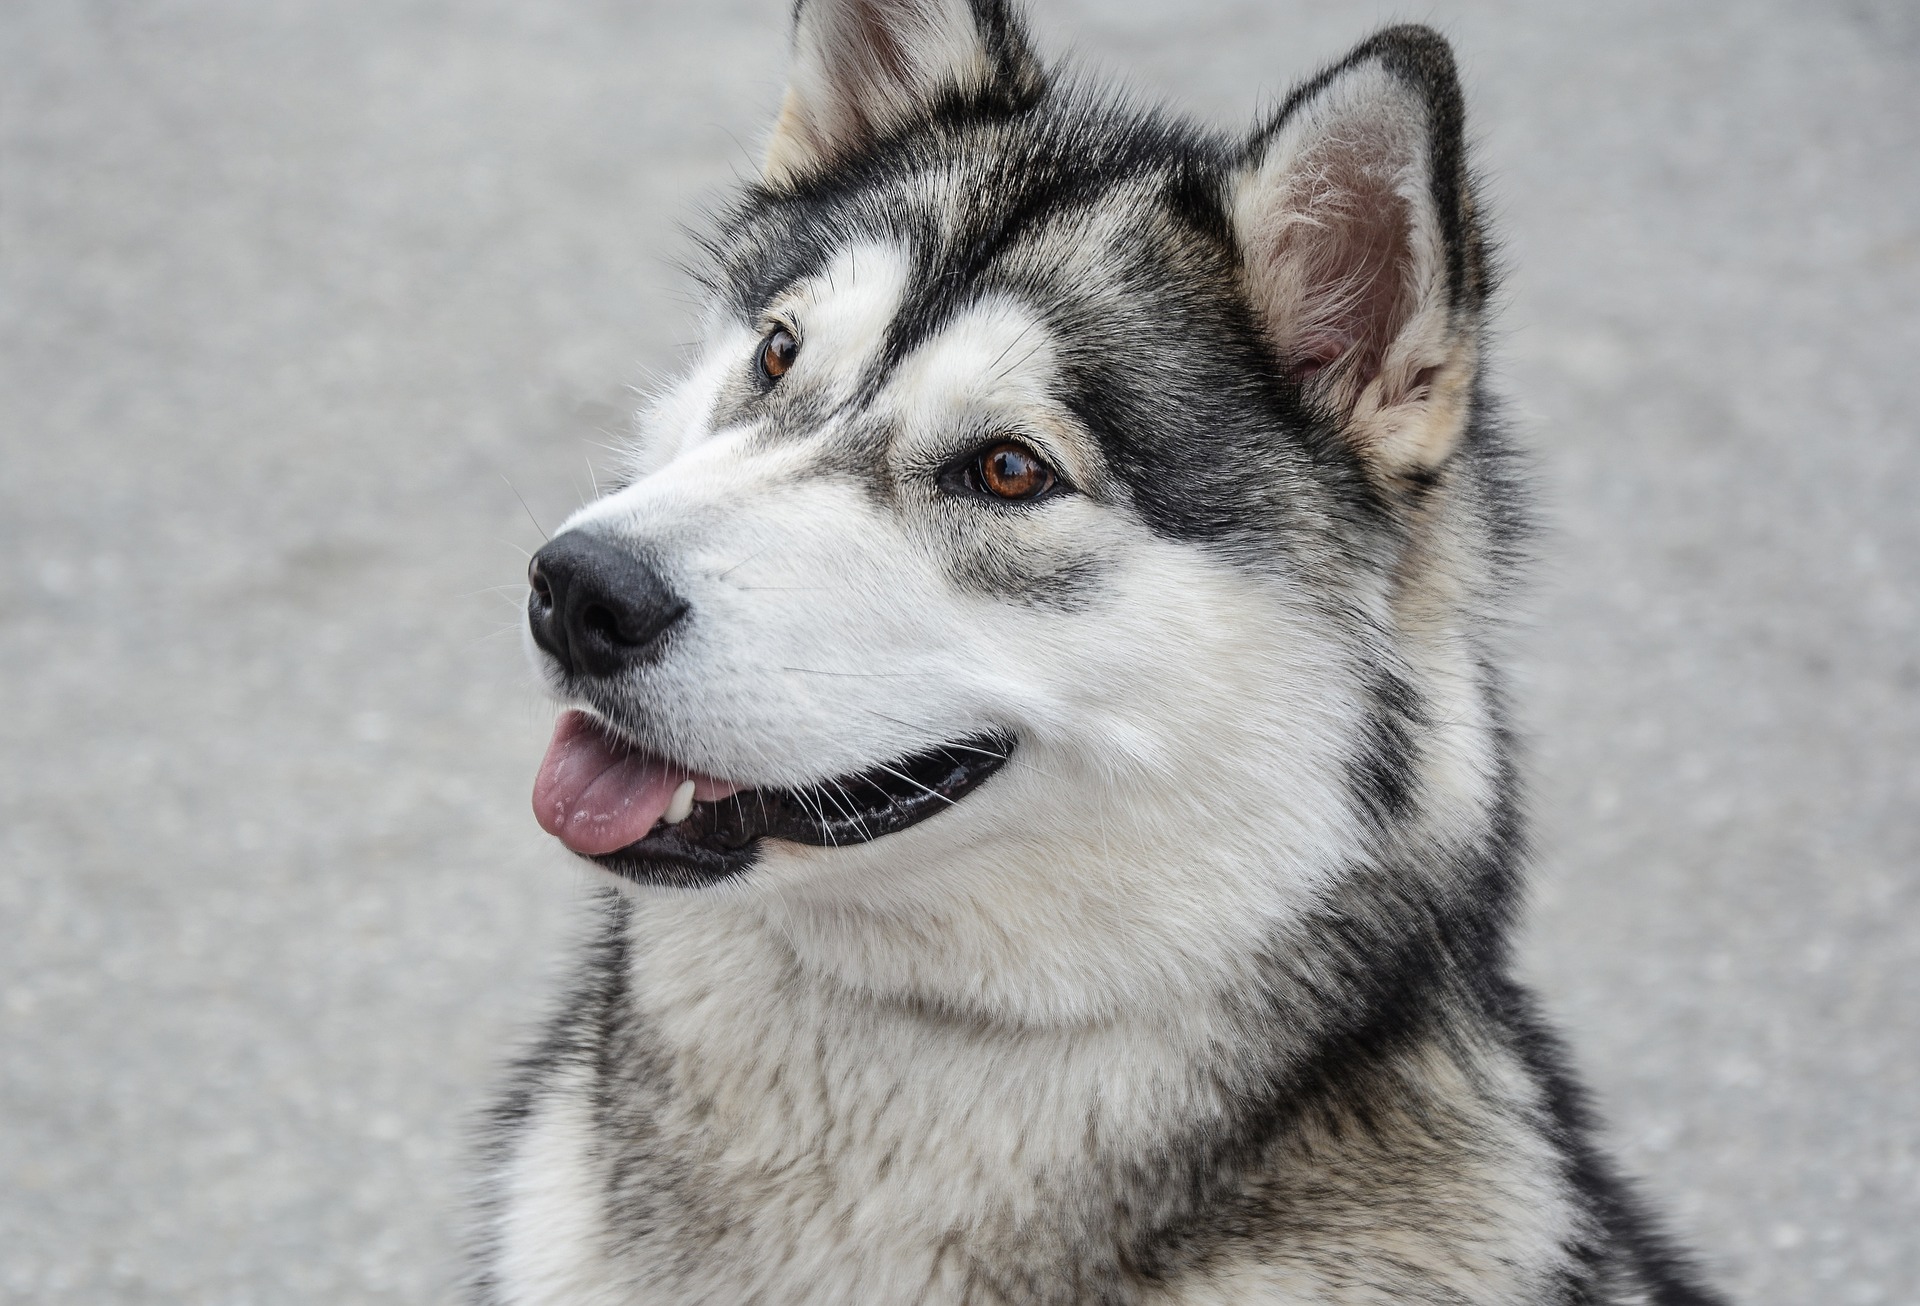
x: 1036, y: 695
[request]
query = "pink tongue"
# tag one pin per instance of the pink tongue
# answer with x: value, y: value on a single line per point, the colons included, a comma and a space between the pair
x: 596, y: 794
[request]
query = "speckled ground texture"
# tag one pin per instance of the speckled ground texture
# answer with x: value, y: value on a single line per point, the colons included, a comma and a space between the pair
x: 291, y: 292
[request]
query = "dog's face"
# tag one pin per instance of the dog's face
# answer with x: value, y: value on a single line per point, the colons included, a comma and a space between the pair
x: 1018, y: 545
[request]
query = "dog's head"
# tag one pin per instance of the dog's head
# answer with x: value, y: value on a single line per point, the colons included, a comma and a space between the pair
x: 1053, y: 524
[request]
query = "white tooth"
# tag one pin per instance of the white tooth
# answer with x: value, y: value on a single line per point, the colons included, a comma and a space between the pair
x: 682, y: 805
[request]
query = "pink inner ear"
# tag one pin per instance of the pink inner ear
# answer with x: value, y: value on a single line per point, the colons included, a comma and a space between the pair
x: 1350, y: 247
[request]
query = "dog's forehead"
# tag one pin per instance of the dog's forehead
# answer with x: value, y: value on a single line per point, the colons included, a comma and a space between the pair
x: 997, y: 349
x: 984, y: 214
x: 1111, y: 238
x: 935, y: 290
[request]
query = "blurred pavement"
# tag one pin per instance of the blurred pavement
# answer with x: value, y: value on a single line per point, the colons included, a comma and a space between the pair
x: 291, y: 291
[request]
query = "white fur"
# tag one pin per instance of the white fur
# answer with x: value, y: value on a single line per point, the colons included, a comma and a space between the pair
x: 553, y: 1251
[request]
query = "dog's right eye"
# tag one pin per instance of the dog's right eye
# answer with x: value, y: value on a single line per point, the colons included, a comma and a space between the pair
x: 1010, y: 470
x: 1006, y: 470
x: 777, y: 353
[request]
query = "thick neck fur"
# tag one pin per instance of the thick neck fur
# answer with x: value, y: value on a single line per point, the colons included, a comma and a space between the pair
x: 787, y: 1140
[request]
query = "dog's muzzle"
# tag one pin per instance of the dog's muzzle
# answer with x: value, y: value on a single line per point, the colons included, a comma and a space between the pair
x: 599, y: 611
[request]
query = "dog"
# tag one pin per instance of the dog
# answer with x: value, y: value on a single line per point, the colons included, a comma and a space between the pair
x: 1036, y: 695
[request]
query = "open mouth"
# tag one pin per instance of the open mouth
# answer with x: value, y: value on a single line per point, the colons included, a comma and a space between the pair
x: 656, y: 822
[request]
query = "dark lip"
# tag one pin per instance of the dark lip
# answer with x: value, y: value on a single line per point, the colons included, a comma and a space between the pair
x: 721, y: 839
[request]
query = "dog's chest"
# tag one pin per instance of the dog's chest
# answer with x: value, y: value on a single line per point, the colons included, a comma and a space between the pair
x: 740, y: 1134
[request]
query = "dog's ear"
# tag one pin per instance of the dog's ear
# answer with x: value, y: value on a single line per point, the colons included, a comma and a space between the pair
x: 1361, y: 251
x: 865, y: 68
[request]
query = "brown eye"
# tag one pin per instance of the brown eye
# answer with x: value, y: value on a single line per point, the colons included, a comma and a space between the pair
x: 777, y: 353
x: 1013, y: 471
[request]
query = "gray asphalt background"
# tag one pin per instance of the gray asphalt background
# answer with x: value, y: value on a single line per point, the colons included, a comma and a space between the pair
x: 290, y: 291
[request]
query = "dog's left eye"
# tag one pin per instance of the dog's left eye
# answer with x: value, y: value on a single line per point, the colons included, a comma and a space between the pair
x: 777, y: 353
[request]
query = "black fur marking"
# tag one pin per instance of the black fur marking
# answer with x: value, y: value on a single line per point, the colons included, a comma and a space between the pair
x: 1384, y: 773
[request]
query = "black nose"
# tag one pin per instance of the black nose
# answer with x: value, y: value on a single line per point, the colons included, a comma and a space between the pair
x: 595, y: 606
